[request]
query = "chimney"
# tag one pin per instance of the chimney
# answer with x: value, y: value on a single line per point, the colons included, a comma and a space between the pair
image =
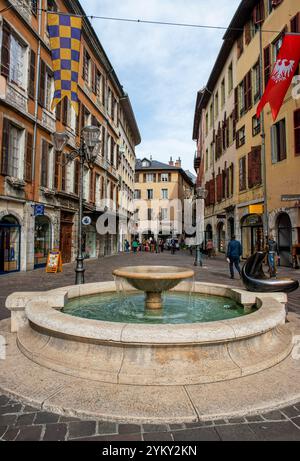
x: 171, y: 163
x: 150, y: 158
x: 178, y: 163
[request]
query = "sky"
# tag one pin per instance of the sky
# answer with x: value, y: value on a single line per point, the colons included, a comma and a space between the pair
x: 162, y: 67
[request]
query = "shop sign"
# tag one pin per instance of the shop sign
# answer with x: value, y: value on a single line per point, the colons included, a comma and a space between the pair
x: 39, y: 210
x: 290, y: 198
x: 54, y: 262
x: 86, y: 221
x: 256, y: 209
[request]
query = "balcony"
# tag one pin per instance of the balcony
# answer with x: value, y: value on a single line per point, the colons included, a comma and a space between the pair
x: 48, y: 121
x: 14, y: 96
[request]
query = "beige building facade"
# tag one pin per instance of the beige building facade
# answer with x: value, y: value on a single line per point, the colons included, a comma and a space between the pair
x: 264, y: 181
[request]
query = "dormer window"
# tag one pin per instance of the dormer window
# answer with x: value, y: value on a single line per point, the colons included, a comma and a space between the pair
x: 145, y: 163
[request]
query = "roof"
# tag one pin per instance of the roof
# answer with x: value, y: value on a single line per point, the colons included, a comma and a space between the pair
x: 240, y: 18
x: 154, y: 165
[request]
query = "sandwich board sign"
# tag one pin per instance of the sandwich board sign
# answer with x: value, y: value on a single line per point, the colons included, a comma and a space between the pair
x: 54, y: 262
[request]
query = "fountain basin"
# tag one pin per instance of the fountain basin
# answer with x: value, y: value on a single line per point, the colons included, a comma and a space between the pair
x: 153, y: 280
x: 167, y: 355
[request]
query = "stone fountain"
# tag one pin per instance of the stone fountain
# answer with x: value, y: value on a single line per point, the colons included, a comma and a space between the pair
x: 154, y: 280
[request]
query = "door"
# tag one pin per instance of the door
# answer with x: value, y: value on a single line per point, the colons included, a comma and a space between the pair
x: 285, y: 239
x: 9, y: 248
x: 66, y: 242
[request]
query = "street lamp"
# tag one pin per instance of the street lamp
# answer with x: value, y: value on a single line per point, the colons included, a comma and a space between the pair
x: 201, y: 194
x: 87, y: 153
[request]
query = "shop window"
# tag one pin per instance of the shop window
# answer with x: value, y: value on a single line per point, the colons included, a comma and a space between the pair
x: 42, y: 241
x: 9, y: 244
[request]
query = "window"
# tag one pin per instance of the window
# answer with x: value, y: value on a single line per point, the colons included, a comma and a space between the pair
x: 230, y: 78
x: 149, y: 177
x: 216, y: 105
x: 272, y: 4
x: 240, y: 137
x: 211, y: 157
x: 164, y: 214
x: 145, y: 164
x: 211, y: 110
x: 242, y: 173
x: 276, y: 46
x: 206, y: 160
x: 164, y: 177
x: 255, y: 126
x: 44, y: 163
x: 206, y: 124
x: 256, y: 82
x: 242, y: 104
x: 49, y: 89
x: 137, y: 194
x: 297, y: 131
x: 86, y: 68
x: 278, y: 137
x: 13, y: 151
x: 240, y: 45
x: 223, y: 93
x: 230, y: 140
x: 17, y: 70
x: 150, y: 214
x: 254, y: 167
x: 136, y: 177
x: 164, y: 194
x: 149, y: 194
x: 14, y: 146
x: 51, y: 5
x: 34, y: 6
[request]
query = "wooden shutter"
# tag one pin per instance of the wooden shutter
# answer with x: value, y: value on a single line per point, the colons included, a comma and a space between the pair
x: 250, y: 171
x: 267, y: 64
x: 5, y: 147
x: 58, y: 111
x: 92, y: 187
x: 297, y: 131
x: 242, y: 173
x: 94, y: 78
x: 42, y: 84
x: 248, y: 90
x: 56, y: 170
x: 256, y: 166
x: 219, y: 187
x: 44, y: 163
x: 240, y: 45
x: 77, y: 124
x: 65, y: 111
x: 259, y: 12
x: 145, y: 177
x: 282, y: 140
x: 84, y: 64
x: 63, y: 173
x: 295, y: 24
x: 236, y: 111
x: 31, y: 79
x: 28, y: 158
x: 5, y: 51
x: 231, y: 179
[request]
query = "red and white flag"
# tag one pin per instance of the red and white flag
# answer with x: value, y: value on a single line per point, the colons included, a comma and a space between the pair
x: 283, y: 72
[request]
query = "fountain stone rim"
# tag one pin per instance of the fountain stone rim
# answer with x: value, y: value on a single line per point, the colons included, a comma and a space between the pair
x: 154, y: 272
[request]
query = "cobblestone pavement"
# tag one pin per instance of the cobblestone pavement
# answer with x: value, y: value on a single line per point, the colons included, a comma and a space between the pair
x: 20, y: 422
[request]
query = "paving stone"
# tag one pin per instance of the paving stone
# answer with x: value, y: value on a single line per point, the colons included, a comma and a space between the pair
x: 82, y: 429
x: 274, y: 416
x: 7, y: 420
x: 174, y: 427
x: 297, y: 421
x: 129, y: 428
x: 280, y: 431
x: 202, y: 434
x: 236, y: 420
x: 219, y: 422
x: 3, y: 429
x: 291, y: 412
x: 155, y: 428
x: 46, y: 418
x: 25, y: 420
x: 157, y: 437
x: 55, y: 432
x: 3, y: 400
x: 30, y: 433
x: 28, y: 409
x: 199, y: 424
x: 67, y: 419
x: 10, y: 434
x: 236, y: 433
x: 115, y: 438
x: 254, y: 418
x: 106, y: 428
x: 10, y: 409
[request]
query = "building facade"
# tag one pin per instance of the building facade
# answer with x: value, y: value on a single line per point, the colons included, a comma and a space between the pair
x: 160, y: 192
x: 250, y: 196
x: 38, y: 187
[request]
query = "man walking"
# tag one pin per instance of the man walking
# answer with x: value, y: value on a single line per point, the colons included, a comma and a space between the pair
x: 234, y: 253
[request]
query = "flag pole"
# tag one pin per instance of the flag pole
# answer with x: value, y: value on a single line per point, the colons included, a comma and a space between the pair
x: 263, y: 140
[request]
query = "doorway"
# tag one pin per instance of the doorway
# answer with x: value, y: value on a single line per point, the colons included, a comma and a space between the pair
x: 66, y: 232
x: 10, y: 244
x: 284, y: 239
x: 252, y: 228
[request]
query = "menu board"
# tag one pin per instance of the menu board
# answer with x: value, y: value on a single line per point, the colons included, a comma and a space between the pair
x: 54, y: 262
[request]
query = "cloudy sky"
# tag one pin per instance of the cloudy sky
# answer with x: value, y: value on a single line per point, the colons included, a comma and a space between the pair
x: 162, y: 67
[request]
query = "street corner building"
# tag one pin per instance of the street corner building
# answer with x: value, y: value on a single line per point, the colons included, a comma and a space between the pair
x: 253, y: 186
x: 39, y: 190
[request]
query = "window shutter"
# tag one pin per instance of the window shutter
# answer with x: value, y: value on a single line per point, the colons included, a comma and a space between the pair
x: 63, y: 173
x: 256, y: 166
x: 82, y: 117
x: 297, y: 131
x: 28, y: 158
x: 282, y: 138
x: 94, y: 78
x: 84, y: 64
x: 65, y: 111
x: 248, y: 33
x: 250, y: 170
x: 77, y: 126
x: 58, y: 111
x: 44, y: 164
x: 248, y: 97
x: 5, y: 51
x: 145, y: 177
x: 76, y: 177
x: 5, y: 147
x: 267, y: 64
x: 295, y: 24
x: 42, y: 84
x: 56, y: 170
x: 274, y: 153
x: 236, y: 110
x: 231, y: 179
x: 92, y: 187
x: 31, y: 74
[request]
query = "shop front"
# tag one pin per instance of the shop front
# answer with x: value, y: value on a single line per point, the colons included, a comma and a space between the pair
x: 221, y: 237
x: 10, y: 244
x: 42, y: 241
x: 284, y: 239
x: 89, y: 246
x: 252, y: 231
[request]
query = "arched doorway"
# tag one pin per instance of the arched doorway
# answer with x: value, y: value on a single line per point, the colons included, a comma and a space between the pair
x: 10, y: 244
x: 284, y: 239
x: 221, y: 237
x: 252, y: 228
x: 208, y: 233
x: 42, y: 241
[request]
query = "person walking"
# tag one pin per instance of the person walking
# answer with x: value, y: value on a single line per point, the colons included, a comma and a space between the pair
x: 173, y: 246
x: 209, y: 248
x: 234, y: 252
x: 127, y: 246
x: 135, y: 245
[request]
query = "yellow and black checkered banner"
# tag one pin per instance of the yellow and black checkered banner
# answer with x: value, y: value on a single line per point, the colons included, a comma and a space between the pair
x: 65, y: 35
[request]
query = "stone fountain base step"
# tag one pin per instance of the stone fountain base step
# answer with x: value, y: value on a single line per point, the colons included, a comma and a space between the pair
x: 35, y: 385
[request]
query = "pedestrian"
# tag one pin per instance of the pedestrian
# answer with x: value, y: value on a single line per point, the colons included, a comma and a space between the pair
x: 127, y: 246
x: 209, y: 248
x: 234, y: 254
x: 173, y: 246
x: 161, y: 245
x: 135, y: 245
x: 272, y: 254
